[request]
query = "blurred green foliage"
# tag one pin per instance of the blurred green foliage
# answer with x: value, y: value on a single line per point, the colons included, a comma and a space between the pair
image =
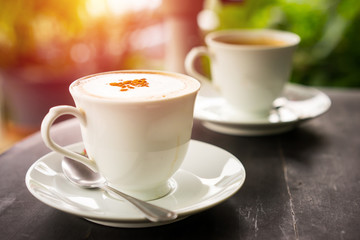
x: 329, y: 52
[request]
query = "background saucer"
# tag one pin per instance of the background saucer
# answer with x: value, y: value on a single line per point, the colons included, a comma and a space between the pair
x: 298, y: 104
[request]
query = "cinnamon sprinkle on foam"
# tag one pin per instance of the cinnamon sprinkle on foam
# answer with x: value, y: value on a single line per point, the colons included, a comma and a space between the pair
x: 130, y: 84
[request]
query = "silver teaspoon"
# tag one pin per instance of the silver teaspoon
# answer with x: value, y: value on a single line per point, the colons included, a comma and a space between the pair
x: 83, y: 176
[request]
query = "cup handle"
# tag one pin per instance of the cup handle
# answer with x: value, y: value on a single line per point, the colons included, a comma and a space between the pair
x: 189, y: 63
x: 206, y: 84
x: 48, y: 121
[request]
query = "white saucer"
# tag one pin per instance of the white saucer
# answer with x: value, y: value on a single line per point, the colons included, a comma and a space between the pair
x: 299, y: 103
x: 208, y: 176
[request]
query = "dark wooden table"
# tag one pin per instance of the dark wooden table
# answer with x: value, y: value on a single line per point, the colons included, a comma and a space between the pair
x: 304, y: 184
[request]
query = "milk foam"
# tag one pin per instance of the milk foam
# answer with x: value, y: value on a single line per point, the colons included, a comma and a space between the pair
x: 160, y: 86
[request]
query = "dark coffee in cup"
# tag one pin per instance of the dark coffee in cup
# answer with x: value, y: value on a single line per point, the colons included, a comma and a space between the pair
x: 255, y: 41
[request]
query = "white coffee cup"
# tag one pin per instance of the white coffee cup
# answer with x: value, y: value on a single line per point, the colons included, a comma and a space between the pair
x: 136, y: 138
x: 249, y: 68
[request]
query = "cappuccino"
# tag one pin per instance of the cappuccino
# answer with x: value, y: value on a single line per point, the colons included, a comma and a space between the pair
x: 256, y: 41
x: 135, y: 125
x: 134, y: 85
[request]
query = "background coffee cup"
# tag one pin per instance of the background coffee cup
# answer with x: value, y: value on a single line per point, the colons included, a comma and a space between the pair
x: 136, y: 144
x: 249, y: 68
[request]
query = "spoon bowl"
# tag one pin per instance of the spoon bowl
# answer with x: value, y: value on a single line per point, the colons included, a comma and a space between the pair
x: 81, y: 175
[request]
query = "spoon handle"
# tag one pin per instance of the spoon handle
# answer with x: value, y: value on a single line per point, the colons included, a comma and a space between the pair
x: 152, y: 212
